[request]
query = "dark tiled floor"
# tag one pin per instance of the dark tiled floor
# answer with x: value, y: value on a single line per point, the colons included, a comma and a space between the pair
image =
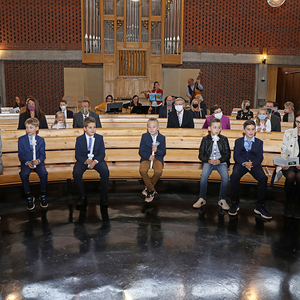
x: 163, y: 250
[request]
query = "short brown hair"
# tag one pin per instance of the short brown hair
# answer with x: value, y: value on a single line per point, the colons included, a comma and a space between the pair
x: 64, y: 101
x: 88, y: 120
x: 215, y: 107
x: 214, y: 120
x: 32, y: 121
x: 248, y: 122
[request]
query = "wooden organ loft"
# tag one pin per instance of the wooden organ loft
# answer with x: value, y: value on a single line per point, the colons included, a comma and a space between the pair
x: 132, y: 39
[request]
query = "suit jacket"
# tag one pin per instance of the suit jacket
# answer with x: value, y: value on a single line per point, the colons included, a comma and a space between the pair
x: 81, y: 148
x: 163, y: 112
x: 43, y: 122
x: 275, y: 123
x: 78, y: 119
x: 240, y: 154
x: 187, y: 120
x: 203, y: 107
x: 69, y: 113
x: 146, y: 147
x: 285, y: 117
x: 225, y: 122
x: 25, y: 152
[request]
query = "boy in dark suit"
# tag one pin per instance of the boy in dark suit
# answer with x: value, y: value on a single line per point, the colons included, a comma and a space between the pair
x: 90, y: 153
x: 248, y: 156
x: 31, y: 152
x: 152, y: 151
x: 63, y: 108
x: 180, y: 118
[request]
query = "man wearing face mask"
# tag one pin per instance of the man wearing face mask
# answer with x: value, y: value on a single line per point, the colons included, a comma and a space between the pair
x: 180, y: 118
x: 63, y: 108
x: 217, y: 113
x: 290, y: 112
x: 275, y: 121
x: 84, y: 113
x: 167, y: 108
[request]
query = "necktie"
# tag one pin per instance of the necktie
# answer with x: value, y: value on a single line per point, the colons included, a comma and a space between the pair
x: 90, y: 144
x: 179, y: 121
x: 249, y: 145
x: 30, y: 142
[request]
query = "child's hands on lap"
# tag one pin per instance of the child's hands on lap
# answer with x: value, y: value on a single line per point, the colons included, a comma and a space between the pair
x: 214, y: 162
x: 248, y: 165
x: 88, y: 161
x: 92, y: 164
x: 35, y: 162
x: 30, y: 165
x: 151, y: 158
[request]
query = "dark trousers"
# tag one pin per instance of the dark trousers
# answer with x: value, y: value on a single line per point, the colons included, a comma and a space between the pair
x: 292, y: 175
x: 101, y: 168
x: 40, y: 170
x: 257, y: 172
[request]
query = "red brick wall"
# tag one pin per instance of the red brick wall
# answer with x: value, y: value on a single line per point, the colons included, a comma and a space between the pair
x: 242, y: 27
x: 225, y: 84
x: 42, y: 79
x: 40, y: 25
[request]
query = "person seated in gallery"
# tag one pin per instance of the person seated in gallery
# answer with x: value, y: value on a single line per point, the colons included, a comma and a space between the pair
x: 180, y: 118
x: 198, y: 113
x: 101, y: 108
x: 290, y: 112
x: 216, y: 111
x: 134, y: 102
x: 85, y: 111
x: 63, y: 104
x: 167, y: 108
x: 192, y: 86
x: 202, y: 103
x: 245, y: 113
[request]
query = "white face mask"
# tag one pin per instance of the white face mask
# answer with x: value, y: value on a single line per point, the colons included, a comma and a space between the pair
x: 218, y: 115
x: 63, y: 108
x: 179, y: 108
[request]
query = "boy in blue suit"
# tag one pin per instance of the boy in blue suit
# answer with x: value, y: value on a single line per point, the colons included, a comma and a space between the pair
x: 152, y: 149
x: 90, y: 153
x: 248, y: 156
x: 28, y: 163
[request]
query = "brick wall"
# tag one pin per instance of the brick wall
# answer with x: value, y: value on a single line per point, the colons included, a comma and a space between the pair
x: 242, y: 27
x: 225, y: 84
x: 42, y: 79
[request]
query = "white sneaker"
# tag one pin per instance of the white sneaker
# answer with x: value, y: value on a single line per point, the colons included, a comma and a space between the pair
x: 145, y: 192
x: 199, y: 203
x: 222, y: 203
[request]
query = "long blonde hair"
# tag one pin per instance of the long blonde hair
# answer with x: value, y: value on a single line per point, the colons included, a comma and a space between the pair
x: 64, y: 119
x: 257, y: 118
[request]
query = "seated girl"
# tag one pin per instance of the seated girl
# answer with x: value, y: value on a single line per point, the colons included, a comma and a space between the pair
x: 262, y: 121
x: 60, y: 121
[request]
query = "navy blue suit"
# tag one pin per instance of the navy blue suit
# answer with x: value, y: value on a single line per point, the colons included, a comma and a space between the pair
x: 241, y: 156
x: 69, y: 113
x: 81, y: 155
x: 145, y: 150
x: 25, y: 154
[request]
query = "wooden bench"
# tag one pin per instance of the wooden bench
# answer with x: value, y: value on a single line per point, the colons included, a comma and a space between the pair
x: 181, y: 160
x: 254, y: 110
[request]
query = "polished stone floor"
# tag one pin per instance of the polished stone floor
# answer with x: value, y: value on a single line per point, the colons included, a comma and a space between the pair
x: 163, y: 250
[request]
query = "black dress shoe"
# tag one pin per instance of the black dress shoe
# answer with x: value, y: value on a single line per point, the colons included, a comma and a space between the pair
x: 82, y: 204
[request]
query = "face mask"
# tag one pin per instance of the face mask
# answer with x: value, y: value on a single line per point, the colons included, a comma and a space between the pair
x: 169, y: 103
x: 178, y: 108
x: 31, y: 107
x: 195, y: 105
x: 84, y: 110
x: 286, y: 110
x: 218, y: 115
x: 248, y: 107
x: 63, y: 108
x: 269, y: 110
x: 275, y: 109
x: 262, y: 117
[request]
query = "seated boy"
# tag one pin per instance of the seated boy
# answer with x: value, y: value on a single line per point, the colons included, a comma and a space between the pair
x: 26, y: 150
x: 90, y: 153
x: 214, y: 152
x: 152, y: 142
x: 248, y: 156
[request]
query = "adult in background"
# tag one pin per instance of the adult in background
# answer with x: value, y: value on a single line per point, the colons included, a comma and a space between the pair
x: 63, y: 104
x: 290, y: 112
x: 275, y: 121
x: 32, y: 111
x: 245, y: 113
x: 202, y: 103
x: 180, y: 118
x: 191, y: 87
x: 134, y: 102
x: 289, y: 149
x: 84, y: 113
x: 167, y: 108
x: 156, y: 105
x: 198, y: 113
x: 19, y: 103
x: 276, y: 112
x: 101, y: 108
x: 217, y: 113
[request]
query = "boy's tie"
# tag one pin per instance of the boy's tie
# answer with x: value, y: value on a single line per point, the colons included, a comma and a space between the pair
x: 30, y: 142
x: 179, y: 120
x: 249, y: 145
x: 90, y: 144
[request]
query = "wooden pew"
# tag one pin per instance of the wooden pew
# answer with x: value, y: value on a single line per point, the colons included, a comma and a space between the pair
x: 181, y: 160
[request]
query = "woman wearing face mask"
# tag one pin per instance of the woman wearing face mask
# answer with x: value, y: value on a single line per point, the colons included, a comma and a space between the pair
x: 198, y: 113
x: 217, y: 113
x: 262, y: 121
x: 245, y: 113
x: 167, y: 108
x: 33, y: 111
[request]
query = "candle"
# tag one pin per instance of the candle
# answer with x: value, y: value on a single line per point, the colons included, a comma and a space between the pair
x: 155, y: 143
x: 91, y: 155
x: 33, y: 144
